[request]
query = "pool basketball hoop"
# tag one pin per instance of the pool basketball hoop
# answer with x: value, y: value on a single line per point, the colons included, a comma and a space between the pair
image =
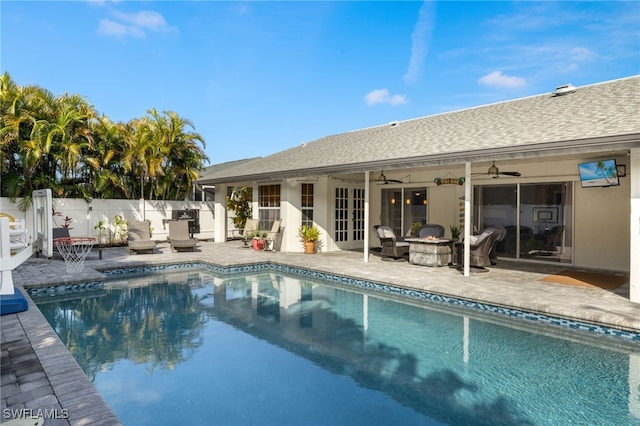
x: 74, y: 250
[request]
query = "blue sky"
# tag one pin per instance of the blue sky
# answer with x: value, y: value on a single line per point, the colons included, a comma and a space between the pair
x: 259, y: 77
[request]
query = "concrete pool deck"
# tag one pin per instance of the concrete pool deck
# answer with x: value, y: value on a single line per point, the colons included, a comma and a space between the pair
x: 39, y: 375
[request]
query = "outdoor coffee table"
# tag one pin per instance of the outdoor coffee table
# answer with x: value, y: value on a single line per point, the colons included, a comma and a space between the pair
x: 429, y: 251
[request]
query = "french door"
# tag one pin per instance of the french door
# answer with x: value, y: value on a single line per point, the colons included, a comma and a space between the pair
x: 348, y: 217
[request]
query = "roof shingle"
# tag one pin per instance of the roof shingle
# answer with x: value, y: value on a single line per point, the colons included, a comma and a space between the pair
x: 586, y: 117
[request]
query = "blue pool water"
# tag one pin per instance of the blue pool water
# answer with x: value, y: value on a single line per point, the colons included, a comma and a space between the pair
x: 268, y: 348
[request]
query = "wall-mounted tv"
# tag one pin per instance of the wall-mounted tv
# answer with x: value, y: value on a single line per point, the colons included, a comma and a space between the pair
x: 599, y: 173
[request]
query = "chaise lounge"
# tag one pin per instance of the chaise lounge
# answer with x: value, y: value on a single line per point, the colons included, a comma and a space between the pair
x: 179, y: 237
x: 139, y: 237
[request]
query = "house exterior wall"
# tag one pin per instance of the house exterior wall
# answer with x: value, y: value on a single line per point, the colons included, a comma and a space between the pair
x: 603, y: 245
x: 634, y: 256
x: 602, y: 226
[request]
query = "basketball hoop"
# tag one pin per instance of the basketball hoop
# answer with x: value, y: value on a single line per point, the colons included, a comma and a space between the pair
x: 74, y: 250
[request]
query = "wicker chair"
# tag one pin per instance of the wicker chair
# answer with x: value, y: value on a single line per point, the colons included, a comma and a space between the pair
x: 392, y: 249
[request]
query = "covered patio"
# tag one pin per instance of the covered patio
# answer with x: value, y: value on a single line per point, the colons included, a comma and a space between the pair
x: 544, y: 138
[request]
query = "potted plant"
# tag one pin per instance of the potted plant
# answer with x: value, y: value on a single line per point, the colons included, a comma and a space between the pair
x: 456, y: 230
x: 258, y: 240
x: 310, y: 237
x: 101, y: 227
x: 240, y: 203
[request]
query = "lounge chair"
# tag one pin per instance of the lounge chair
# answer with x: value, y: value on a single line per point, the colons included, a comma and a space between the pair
x: 179, y: 237
x: 272, y: 236
x: 392, y: 249
x: 250, y: 226
x: 139, y: 237
x: 431, y: 230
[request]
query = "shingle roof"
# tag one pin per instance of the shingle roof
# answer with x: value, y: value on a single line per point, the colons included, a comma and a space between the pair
x: 593, y: 117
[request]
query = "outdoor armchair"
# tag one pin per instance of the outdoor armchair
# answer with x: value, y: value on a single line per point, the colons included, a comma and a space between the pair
x: 481, y: 245
x: 250, y: 226
x: 272, y: 236
x: 391, y: 247
x: 431, y: 230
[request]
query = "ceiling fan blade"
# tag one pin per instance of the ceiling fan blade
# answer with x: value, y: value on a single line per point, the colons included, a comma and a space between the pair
x: 393, y: 181
x: 511, y: 173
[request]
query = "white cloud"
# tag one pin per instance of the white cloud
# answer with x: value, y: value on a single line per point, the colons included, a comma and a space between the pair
x: 144, y: 19
x: 382, y: 96
x: 134, y: 24
x: 497, y: 79
x: 582, y: 54
x: 116, y: 29
x: 420, y: 39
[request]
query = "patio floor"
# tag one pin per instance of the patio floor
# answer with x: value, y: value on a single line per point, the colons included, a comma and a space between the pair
x: 38, y: 373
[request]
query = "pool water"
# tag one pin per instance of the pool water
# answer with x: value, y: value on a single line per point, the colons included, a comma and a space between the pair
x: 267, y: 348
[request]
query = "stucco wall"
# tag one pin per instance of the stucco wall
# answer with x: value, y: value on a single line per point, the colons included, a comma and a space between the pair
x: 602, y: 226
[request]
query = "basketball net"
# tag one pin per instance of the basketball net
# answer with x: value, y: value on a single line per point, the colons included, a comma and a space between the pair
x: 74, y: 250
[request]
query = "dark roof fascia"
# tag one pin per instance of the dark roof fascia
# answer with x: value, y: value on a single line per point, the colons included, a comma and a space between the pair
x: 578, y: 146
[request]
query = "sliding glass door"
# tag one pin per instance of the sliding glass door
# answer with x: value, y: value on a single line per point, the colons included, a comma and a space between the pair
x: 536, y: 217
x: 404, y: 207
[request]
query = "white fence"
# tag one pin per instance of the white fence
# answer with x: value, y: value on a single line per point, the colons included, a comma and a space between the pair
x: 85, y: 216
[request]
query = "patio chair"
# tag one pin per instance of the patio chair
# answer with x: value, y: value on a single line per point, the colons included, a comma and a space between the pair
x: 431, y: 230
x: 552, y: 240
x: 392, y: 249
x: 481, y: 246
x: 139, y: 237
x: 179, y: 237
x: 493, y: 254
x: 250, y: 226
x: 273, y: 235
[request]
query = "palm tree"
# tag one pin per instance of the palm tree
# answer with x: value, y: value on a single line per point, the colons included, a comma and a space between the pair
x: 25, y: 118
x: 62, y: 144
x: 71, y: 138
x: 106, y: 160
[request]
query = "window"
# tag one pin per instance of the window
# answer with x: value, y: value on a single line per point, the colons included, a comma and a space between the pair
x: 268, y: 205
x: 307, y: 204
x: 358, y: 214
x: 342, y: 214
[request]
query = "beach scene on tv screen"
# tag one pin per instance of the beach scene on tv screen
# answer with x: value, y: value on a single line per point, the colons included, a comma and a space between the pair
x: 598, y: 173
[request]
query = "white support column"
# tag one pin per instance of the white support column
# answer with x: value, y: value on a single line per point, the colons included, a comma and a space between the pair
x: 633, y: 170
x: 220, y: 214
x: 366, y: 216
x: 467, y: 218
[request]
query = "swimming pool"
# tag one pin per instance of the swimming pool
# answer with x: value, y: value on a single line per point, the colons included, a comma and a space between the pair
x: 267, y: 347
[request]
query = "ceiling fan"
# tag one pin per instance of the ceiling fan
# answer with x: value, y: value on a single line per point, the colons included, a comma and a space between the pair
x: 382, y: 179
x: 494, y: 172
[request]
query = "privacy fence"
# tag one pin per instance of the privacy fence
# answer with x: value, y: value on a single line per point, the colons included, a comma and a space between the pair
x: 104, y: 219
